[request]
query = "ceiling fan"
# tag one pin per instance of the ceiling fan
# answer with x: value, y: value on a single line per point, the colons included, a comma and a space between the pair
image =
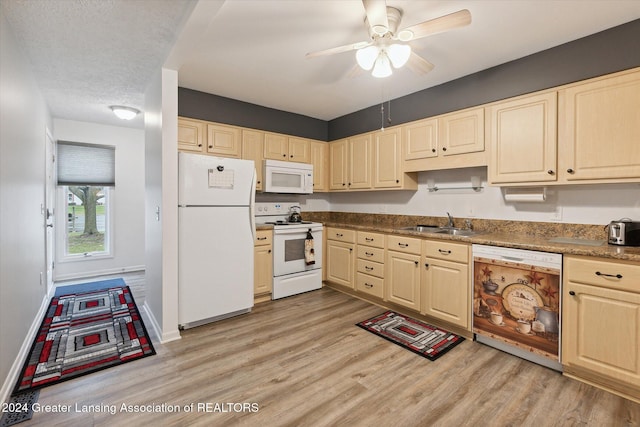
x: 388, y: 46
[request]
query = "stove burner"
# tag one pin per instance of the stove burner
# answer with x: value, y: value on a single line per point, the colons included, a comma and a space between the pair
x: 287, y: 222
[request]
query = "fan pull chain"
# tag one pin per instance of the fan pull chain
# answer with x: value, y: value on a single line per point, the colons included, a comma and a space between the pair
x: 382, y: 116
x: 389, y: 112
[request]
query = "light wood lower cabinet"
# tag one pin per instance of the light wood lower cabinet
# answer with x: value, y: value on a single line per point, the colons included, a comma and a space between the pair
x: 601, y: 323
x: 263, y: 263
x: 370, y: 263
x: 340, y: 250
x: 445, y: 282
x: 402, y: 271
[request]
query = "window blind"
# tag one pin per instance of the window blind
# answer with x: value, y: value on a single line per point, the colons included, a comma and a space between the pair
x: 86, y: 164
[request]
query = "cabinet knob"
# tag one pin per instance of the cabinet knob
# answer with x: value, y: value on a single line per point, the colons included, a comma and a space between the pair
x: 550, y: 172
x: 426, y: 265
x: 433, y: 150
x: 397, y: 181
x: 269, y: 251
x: 572, y: 293
x: 444, y: 148
x: 349, y: 184
x: 291, y: 156
x: 284, y: 155
x: 211, y: 146
x: 199, y: 145
x: 570, y: 170
x: 416, y: 262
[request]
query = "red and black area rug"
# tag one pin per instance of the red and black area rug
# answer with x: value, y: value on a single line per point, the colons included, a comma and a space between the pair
x: 421, y: 338
x: 85, y: 332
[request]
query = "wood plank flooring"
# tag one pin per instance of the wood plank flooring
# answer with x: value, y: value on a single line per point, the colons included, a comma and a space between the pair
x: 302, y: 362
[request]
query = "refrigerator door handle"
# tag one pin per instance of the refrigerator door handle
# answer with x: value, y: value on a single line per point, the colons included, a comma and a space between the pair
x: 252, y: 205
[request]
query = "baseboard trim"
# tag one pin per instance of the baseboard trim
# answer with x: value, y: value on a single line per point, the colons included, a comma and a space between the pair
x: 163, y: 337
x: 16, y: 368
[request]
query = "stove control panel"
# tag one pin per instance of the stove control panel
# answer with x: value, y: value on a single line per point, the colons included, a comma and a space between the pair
x: 274, y: 209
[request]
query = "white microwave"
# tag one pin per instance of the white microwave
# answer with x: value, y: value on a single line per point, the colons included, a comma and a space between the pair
x: 287, y: 177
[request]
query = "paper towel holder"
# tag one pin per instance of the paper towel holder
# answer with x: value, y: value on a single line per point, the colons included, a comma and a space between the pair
x: 528, y: 194
x: 475, y: 185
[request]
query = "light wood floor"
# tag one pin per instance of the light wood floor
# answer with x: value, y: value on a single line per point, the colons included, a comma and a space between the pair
x: 304, y: 363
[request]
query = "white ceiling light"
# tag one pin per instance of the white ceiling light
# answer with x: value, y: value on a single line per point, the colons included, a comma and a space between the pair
x: 124, y: 113
x: 380, y: 59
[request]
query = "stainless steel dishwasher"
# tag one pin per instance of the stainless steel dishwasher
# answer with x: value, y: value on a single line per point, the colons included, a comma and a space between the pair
x: 516, y: 302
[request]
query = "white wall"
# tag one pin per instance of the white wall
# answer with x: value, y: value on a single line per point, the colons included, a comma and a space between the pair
x: 24, y: 118
x: 126, y: 199
x: 161, y: 203
x: 577, y: 204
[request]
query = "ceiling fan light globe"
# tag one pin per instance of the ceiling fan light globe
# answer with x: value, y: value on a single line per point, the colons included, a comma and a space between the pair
x: 399, y: 54
x: 367, y: 57
x: 382, y: 66
x: 380, y: 30
x: 405, y: 35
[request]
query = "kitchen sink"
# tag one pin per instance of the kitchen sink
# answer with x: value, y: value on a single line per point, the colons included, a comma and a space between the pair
x: 452, y: 231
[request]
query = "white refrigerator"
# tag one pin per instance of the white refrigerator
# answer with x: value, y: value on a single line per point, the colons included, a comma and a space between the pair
x: 216, y: 199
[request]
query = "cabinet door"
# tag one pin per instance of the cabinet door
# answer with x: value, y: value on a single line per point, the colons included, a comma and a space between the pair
x: 276, y: 146
x: 522, y: 135
x: 299, y: 150
x: 387, y: 165
x: 340, y: 263
x: 402, y: 279
x: 600, y: 129
x: 263, y: 269
x: 252, y: 148
x: 319, y: 159
x: 601, y: 331
x: 191, y: 135
x: 461, y: 132
x: 445, y: 291
x: 359, y: 162
x: 421, y: 139
x: 224, y: 141
x: 338, y: 157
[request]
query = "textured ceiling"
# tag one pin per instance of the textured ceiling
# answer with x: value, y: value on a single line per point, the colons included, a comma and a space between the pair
x: 89, y: 54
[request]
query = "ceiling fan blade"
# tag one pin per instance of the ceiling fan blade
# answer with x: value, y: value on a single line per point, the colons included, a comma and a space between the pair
x: 376, y: 11
x: 339, y: 49
x: 418, y: 64
x: 355, y: 71
x: 437, y: 25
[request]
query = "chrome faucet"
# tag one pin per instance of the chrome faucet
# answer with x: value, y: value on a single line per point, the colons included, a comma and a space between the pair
x: 450, y: 220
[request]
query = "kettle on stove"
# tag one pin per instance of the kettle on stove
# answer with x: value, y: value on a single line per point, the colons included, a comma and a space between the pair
x: 295, y: 216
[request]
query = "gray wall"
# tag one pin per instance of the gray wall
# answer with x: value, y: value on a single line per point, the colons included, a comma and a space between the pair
x: 606, y: 52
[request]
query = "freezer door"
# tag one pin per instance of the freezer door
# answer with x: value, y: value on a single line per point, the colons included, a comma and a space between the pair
x: 215, y: 272
x: 214, y: 181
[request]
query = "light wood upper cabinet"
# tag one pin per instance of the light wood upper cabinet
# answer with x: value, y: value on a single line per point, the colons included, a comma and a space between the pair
x: 286, y: 148
x: 359, y: 164
x: 599, y: 129
x: 421, y: 139
x: 252, y: 149
x: 191, y: 135
x: 320, y: 162
x: 338, y: 165
x: 276, y: 146
x: 522, y: 136
x: 299, y: 150
x: 387, y: 164
x: 224, y: 141
x: 461, y: 132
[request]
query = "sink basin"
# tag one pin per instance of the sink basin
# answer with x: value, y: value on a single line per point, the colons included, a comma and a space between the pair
x: 452, y: 231
x: 423, y: 228
x: 455, y: 231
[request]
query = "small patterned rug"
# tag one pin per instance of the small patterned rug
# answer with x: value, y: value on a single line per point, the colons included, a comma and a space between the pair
x: 421, y: 338
x: 84, y: 332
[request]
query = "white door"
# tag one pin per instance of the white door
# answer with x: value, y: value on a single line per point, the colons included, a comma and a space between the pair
x: 50, y: 191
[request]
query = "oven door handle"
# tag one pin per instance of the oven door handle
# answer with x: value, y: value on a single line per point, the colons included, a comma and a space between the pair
x: 301, y: 231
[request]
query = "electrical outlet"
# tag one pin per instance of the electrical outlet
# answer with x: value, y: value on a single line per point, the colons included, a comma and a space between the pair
x: 557, y: 214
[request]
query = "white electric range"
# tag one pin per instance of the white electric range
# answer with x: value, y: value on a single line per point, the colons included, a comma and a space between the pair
x: 292, y: 272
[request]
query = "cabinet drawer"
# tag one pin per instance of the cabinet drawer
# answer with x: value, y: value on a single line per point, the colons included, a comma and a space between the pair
x: 263, y: 237
x: 600, y: 272
x: 370, y: 285
x: 446, y: 250
x: 341, y: 235
x: 371, y: 239
x: 371, y: 254
x: 369, y: 267
x: 404, y: 244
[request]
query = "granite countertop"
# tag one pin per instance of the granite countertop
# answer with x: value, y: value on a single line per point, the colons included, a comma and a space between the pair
x: 515, y: 240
